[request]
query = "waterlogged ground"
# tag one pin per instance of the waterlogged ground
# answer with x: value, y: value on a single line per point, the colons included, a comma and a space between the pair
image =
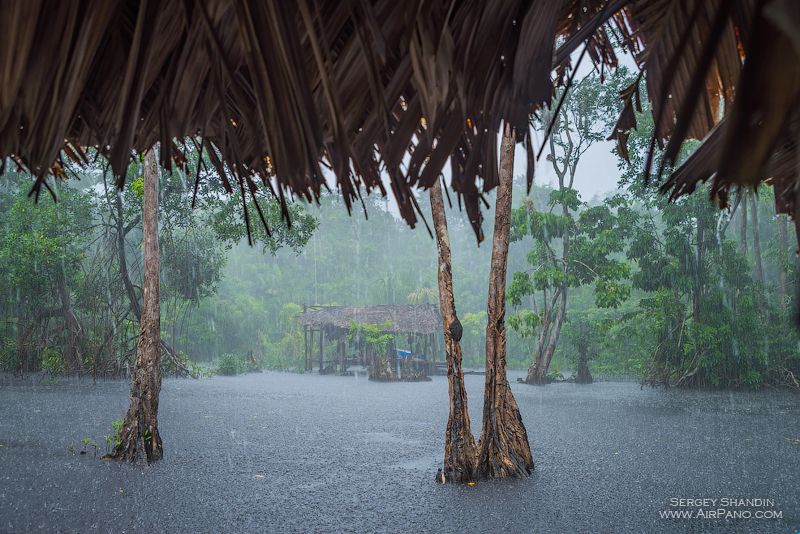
x: 295, y: 453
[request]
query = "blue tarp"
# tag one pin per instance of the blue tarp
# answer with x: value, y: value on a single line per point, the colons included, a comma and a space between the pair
x: 403, y: 354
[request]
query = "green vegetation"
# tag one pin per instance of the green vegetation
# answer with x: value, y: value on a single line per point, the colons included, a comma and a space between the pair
x: 70, y: 271
x: 113, y: 440
x: 674, y: 293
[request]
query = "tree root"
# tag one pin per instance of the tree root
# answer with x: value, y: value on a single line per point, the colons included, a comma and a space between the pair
x: 504, y: 450
x: 138, y: 441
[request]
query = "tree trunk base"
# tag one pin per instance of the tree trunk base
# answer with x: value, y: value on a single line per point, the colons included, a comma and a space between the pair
x: 460, y: 452
x: 536, y: 378
x: 583, y: 376
x: 138, y: 441
x: 504, y: 448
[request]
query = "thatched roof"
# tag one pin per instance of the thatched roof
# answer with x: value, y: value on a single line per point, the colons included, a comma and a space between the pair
x: 273, y: 91
x: 727, y: 72
x: 399, y: 319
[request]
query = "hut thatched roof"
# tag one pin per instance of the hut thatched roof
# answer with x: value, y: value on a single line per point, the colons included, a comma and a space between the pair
x: 272, y: 91
x: 401, y: 318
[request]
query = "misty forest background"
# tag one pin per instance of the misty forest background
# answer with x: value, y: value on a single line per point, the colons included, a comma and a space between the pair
x: 667, y: 293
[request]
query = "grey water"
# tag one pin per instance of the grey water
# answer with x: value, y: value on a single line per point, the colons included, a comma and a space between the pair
x: 277, y: 452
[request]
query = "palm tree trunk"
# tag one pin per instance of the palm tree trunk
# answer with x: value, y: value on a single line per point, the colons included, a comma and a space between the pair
x: 139, y: 439
x: 504, y: 449
x: 460, y: 453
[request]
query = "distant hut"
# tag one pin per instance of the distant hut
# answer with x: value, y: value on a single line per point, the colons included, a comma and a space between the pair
x: 409, y: 354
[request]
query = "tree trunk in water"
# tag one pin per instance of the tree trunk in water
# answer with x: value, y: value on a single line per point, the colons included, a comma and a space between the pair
x: 542, y: 366
x: 551, y: 346
x: 460, y: 453
x: 583, y: 375
x: 756, y: 239
x: 783, y: 256
x: 538, y: 359
x: 503, y: 449
x: 139, y: 439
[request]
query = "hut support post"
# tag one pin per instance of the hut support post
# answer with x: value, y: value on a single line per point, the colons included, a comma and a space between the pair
x: 340, y: 344
x: 321, y: 350
x: 307, y: 353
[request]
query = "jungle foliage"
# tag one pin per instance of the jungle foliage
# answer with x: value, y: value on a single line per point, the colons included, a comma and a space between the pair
x: 676, y: 293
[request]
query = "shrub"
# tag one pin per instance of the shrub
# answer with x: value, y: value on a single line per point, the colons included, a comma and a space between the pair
x: 9, y: 357
x: 753, y: 379
x: 230, y: 365
x: 555, y: 376
x: 52, y: 363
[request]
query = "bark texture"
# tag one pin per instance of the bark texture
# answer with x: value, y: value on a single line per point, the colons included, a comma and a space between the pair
x: 460, y: 452
x: 503, y: 449
x: 548, y: 340
x: 139, y: 439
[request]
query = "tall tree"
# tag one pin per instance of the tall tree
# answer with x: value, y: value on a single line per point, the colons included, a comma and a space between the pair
x: 460, y: 453
x: 595, y: 237
x: 504, y: 449
x: 580, y: 123
x: 756, y: 239
x: 743, y: 223
x: 783, y: 258
x: 139, y: 439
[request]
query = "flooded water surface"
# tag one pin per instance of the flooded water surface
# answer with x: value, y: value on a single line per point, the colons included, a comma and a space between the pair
x: 297, y: 453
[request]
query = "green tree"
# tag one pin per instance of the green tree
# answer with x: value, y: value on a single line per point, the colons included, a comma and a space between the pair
x: 41, y: 252
x: 584, y: 243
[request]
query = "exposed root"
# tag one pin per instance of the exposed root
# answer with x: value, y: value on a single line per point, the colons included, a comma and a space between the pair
x: 138, y: 441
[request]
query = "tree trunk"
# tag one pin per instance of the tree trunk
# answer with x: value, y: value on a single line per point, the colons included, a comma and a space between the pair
x: 546, y: 347
x: 743, y: 224
x: 123, y: 259
x: 697, y: 285
x: 554, y: 334
x: 460, y: 453
x: 783, y: 257
x: 541, y: 340
x: 756, y: 239
x: 583, y: 376
x: 503, y: 449
x: 139, y: 439
x: 74, y: 331
x: 23, y: 352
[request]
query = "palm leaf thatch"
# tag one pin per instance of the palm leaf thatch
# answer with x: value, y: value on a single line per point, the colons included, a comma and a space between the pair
x: 393, y: 319
x: 726, y: 72
x: 273, y: 92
